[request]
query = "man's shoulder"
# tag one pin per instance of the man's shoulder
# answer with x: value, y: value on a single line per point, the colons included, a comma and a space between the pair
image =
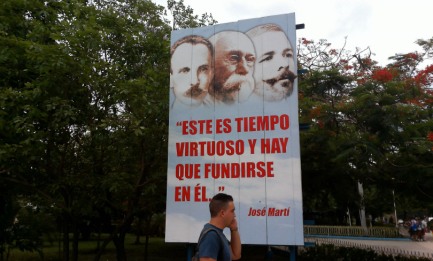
x: 210, y: 226
x: 211, y: 229
x: 213, y: 232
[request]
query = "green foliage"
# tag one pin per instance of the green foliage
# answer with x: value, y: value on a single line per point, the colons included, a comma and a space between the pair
x: 26, y: 229
x: 158, y: 250
x: 430, y: 225
x: 368, y: 124
x: 184, y: 17
x: 84, y: 110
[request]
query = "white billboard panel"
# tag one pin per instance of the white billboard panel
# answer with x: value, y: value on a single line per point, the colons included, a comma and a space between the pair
x: 234, y: 129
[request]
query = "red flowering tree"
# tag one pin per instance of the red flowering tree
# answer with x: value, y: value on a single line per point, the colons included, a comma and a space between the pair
x: 368, y: 124
x: 382, y: 75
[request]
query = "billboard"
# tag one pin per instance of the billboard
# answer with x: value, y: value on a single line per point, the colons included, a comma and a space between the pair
x: 234, y: 128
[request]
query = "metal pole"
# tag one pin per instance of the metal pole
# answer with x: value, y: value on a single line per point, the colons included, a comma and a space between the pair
x: 189, y: 252
x: 350, y: 219
x: 293, y: 250
x: 395, y: 209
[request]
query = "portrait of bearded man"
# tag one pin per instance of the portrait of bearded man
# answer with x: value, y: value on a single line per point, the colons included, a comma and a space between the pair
x: 234, y: 65
x: 275, y: 63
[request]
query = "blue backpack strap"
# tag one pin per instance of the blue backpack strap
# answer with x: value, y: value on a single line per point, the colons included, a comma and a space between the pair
x: 204, y: 233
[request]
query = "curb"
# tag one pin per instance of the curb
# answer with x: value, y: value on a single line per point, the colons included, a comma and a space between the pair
x: 360, y: 238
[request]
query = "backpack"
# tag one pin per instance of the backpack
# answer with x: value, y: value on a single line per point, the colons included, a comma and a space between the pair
x: 196, y: 256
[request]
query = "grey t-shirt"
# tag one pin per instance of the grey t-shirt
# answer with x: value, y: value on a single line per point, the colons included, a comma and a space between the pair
x: 214, y: 244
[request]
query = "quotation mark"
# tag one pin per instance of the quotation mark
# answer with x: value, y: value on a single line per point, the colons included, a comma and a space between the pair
x: 221, y: 188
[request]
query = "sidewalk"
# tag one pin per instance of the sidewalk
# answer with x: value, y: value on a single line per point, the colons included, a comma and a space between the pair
x: 402, y: 246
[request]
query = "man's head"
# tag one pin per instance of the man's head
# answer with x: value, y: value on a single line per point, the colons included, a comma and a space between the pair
x: 273, y: 72
x: 234, y: 65
x: 222, y: 206
x: 191, y: 69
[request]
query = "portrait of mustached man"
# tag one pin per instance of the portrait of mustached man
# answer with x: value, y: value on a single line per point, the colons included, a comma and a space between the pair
x: 275, y: 63
x: 234, y: 65
x: 191, y: 71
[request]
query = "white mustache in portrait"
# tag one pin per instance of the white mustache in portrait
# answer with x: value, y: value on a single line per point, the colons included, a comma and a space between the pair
x: 244, y: 84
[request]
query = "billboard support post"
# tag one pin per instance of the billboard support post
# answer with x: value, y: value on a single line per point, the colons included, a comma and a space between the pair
x: 189, y: 252
x: 293, y: 251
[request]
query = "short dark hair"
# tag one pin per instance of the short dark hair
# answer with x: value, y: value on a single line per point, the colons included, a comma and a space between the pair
x: 218, y: 203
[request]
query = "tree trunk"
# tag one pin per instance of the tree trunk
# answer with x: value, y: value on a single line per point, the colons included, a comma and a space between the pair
x: 146, y: 247
x: 147, y: 232
x: 362, y: 208
x: 119, y: 242
x: 65, y: 241
x: 138, y: 232
x: 98, y: 240
x: 102, y: 248
x: 75, y: 244
x: 118, y: 235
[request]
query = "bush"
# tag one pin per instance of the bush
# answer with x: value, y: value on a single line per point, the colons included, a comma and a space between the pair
x: 430, y: 225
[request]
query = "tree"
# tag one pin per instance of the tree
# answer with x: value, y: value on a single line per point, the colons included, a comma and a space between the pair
x: 75, y: 62
x: 184, y: 17
x: 84, y: 107
x: 368, y: 124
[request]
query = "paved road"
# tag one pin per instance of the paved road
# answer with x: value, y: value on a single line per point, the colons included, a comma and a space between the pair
x: 403, y: 246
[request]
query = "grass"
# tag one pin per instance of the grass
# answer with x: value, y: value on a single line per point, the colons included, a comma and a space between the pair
x: 158, y: 251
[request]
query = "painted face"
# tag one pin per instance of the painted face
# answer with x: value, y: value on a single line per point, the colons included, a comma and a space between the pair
x: 234, y: 65
x: 273, y: 72
x: 191, y: 73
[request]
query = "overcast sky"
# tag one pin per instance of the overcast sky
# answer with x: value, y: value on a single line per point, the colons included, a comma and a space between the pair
x: 386, y: 26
